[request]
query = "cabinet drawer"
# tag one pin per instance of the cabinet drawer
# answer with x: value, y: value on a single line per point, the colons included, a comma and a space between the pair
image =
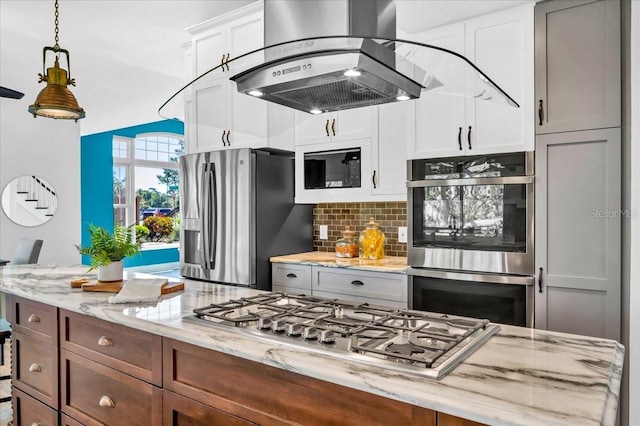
x: 180, y: 411
x: 95, y: 394
x: 35, y: 368
x: 383, y: 286
x: 33, y: 318
x: 29, y: 411
x: 134, y: 352
x: 276, y: 396
x: 361, y: 299
x: 68, y: 421
x: 291, y: 278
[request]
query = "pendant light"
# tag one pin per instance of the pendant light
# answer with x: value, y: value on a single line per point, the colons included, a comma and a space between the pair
x: 56, y: 100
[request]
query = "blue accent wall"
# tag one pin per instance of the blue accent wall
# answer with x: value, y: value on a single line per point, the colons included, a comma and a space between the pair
x: 96, y: 186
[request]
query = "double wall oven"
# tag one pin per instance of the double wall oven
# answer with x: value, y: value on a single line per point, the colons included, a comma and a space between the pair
x: 470, y: 246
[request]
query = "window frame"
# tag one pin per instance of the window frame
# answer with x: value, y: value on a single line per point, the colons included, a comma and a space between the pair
x: 130, y: 163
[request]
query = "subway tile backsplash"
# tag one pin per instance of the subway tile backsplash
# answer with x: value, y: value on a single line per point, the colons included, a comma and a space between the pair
x: 336, y: 216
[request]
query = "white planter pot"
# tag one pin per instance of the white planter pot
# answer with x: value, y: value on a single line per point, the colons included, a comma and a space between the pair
x: 111, y: 272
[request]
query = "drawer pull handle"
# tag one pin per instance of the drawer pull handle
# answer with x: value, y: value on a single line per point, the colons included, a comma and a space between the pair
x: 291, y: 275
x: 33, y: 318
x: 35, y: 368
x: 105, y: 341
x: 105, y: 401
x: 357, y: 282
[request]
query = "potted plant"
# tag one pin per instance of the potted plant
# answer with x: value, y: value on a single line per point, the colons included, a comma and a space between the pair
x: 107, y: 251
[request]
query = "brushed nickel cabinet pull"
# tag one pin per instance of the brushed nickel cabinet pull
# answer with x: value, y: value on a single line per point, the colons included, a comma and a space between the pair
x: 469, y: 137
x: 333, y: 126
x: 326, y: 127
x: 226, y: 61
x: 105, y: 401
x: 224, y: 132
x: 374, y: 180
x: 540, y: 112
x: 228, y: 141
x: 291, y: 275
x: 460, y: 138
x: 35, y: 368
x: 33, y: 318
x: 357, y: 282
x: 105, y: 341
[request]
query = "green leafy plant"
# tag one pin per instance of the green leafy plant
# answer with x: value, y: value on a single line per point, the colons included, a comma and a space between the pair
x: 106, y: 247
x: 159, y: 227
x: 142, y: 232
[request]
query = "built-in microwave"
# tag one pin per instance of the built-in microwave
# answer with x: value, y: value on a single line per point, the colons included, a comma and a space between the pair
x: 473, y: 213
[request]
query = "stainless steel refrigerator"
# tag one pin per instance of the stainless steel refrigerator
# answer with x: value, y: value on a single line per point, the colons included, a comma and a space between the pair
x: 237, y: 210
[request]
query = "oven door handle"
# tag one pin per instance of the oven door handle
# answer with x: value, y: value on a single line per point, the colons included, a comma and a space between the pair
x: 507, y: 180
x: 466, y: 276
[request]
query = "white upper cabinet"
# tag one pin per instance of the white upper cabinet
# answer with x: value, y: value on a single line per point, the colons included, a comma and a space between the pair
x: 335, y: 126
x: 217, y: 116
x: 501, y: 46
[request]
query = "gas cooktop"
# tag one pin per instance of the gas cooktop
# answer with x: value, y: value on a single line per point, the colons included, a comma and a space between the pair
x: 424, y: 343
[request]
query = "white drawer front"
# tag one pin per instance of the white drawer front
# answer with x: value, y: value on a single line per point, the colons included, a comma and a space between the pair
x: 376, y: 285
x: 288, y: 278
x: 361, y: 299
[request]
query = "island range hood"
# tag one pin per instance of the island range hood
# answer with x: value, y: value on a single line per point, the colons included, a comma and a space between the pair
x: 345, y: 55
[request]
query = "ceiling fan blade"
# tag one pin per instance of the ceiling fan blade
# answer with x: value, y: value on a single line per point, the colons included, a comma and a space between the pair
x: 9, y: 93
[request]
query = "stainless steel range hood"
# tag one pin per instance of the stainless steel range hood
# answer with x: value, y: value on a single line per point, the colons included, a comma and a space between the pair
x: 356, y: 74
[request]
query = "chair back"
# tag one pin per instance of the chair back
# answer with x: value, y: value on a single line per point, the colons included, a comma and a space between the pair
x: 27, y: 251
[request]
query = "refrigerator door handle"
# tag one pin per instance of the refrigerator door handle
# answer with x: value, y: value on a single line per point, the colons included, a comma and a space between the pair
x: 208, y: 216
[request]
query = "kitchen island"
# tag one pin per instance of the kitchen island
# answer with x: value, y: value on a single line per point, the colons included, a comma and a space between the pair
x: 520, y: 376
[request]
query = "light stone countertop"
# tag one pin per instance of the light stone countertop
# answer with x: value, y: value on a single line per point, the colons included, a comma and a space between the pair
x: 520, y: 376
x: 392, y: 264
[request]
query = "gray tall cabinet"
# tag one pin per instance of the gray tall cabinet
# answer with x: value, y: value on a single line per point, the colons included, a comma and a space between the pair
x: 578, y: 166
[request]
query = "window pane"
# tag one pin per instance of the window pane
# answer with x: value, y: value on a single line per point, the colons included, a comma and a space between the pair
x: 120, y: 215
x: 119, y: 185
x: 141, y: 154
x: 163, y: 156
x: 140, y: 144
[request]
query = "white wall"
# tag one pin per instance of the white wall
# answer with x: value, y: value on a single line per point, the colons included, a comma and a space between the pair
x: 634, y: 288
x: 42, y: 147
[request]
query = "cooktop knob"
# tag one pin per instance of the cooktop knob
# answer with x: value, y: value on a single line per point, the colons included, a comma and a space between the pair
x: 278, y: 325
x: 264, y: 323
x: 294, y: 329
x: 310, y: 333
x: 326, y: 336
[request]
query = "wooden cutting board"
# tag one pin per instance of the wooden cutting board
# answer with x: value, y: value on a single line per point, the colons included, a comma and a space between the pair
x: 116, y: 286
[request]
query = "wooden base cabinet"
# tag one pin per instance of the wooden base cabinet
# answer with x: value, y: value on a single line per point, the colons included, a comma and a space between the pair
x: 271, y: 396
x: 29, y: 411
x: 180, y: 411
x: 95, y: 394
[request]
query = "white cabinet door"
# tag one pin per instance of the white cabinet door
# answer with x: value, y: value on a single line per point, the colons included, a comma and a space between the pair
x: 248, y: 119
x: 313, y: 129
x: 439, y: 118
x: 210, y: 115
x: 501, y: 45
x: 353, y: 123
x: 335, y: 126
x: 243, y: 36
x: 389, y: 150
x: 208, y: 49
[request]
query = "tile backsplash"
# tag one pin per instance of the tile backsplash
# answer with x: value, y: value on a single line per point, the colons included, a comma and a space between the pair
x: 336, y: 216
